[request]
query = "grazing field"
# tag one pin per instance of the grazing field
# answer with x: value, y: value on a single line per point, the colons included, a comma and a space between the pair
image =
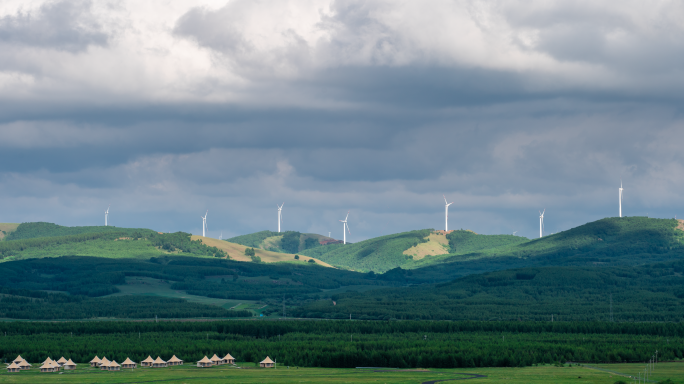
x: 248, y: 374
x: 237, y: 252
x: 6, y: 229
x: 437, y: 244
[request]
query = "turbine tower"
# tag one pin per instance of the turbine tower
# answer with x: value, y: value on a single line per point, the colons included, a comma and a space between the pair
x: 107, y: 214
x: 541, y: 223
x: 345, y: 226
x: 620, y: 198
x: 446, y: 214
x: 204, y: 224
x: 280, y: 214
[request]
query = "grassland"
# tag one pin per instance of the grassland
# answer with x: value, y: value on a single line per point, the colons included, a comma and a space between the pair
x: 6, y: 229
x: 237, y: 252
x: 284, y: 374
x: 437, y: 244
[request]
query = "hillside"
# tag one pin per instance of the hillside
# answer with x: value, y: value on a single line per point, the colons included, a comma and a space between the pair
x: 645, y: 293
x: 41, y: 229
x: 287, y: 242
x: 168, y: 276
x: 237, y: 252
x: 626, y: 240
x: 6, y: 229
x: 120, y: 243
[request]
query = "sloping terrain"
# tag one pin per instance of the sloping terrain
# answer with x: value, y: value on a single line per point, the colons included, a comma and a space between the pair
x: 287, y: 242
x: 6, y: 229
x: 237, y: 252
x: 122, y: 243
x: 41, y: 229
x: 436, y: 244
x: 644, y: 293
x: 378, y: 254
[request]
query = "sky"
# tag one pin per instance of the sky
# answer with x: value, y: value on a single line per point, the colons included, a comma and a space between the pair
x: 165, y: 109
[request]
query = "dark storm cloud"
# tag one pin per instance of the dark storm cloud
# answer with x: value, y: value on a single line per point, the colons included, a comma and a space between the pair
x: 377, y: 116
x: 66, y: 25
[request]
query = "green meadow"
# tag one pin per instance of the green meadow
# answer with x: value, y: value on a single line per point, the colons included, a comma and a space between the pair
x: 249, y: 374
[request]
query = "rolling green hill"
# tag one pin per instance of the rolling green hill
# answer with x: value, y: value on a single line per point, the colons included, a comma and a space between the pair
x: 627, y: 240
x: 41, y: 229
x: 644, y: 293
x: 109, y: 243
x: 286, y: 242
x: 378, y: 254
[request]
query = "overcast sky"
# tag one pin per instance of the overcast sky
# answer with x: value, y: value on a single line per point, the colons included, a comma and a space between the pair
x: 166, y: 109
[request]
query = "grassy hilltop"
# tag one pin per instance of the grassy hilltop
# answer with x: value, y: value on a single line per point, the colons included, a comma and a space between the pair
x: 286, y: 242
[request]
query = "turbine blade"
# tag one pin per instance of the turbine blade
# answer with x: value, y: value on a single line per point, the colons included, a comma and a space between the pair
x: 445, y: 201
x: 347, y: 225
x: 345, y: 219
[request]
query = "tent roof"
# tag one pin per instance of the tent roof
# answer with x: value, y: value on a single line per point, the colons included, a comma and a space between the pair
x: 48, y: 360
x: 159, y: 361
x: 228, y: 357
x: 148, y: 360
x: 128, y: 361
x: 267, y: 360
x: 95, y: 360
x: 62, y: 360
x: 104, y: 361
x: 174, y: 359
x: 70, y: 363
x: 13, y: 366
x: 204, y: 360
x: 19, y: 358
x: 113, y: 364
x: 24, y: 363
x: 46, y: 366
x: 54, y: 364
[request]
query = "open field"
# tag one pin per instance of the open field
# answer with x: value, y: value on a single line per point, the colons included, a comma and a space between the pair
x: 237, y: 252
x: 222, y: 374
x: 437, y: 244
x: 6, y: 228
x: 662, y: 371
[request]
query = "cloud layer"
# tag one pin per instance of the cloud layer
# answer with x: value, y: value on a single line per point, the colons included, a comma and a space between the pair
x: 165, y: 109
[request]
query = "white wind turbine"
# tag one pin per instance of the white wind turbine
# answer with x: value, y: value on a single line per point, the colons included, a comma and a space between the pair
x: 280, y: 214
x: 107, y: 214
x: 204, y: 224
x: 541, y: 223
x: 620, y: 198
x: 345, y: 226
x: 446, y: 214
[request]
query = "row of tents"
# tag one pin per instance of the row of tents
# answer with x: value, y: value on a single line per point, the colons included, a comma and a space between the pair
x: 104, y: 364
x: 49, y: 365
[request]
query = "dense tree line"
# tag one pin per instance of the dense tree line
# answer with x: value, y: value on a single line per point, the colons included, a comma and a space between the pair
x: 348, y: 343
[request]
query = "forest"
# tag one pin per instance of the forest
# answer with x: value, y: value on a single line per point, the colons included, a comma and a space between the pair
x: 38, y: 305
x: 645, y: 293
x: 345, y: 344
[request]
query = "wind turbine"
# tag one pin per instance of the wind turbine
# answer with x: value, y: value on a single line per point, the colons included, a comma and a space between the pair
x: 620, y: 198
x: 107, y: 214
x: 204, y: 224
x: 345, y: 226
x: 280, y: 214
x: 541, y: 223
x: 221, y: 236
x: 446, y: 214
